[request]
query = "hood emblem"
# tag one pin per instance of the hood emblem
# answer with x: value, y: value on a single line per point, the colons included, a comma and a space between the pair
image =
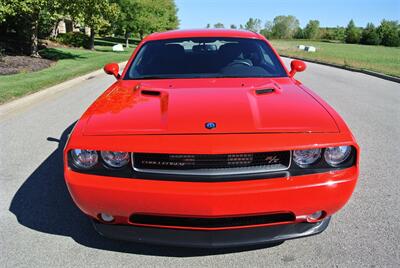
x: 210, y: 125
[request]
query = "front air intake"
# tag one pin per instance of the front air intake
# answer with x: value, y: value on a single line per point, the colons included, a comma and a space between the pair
x: 219, y: 222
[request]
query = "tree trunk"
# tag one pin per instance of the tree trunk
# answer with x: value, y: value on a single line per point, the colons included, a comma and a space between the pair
x: 54, y: 30
x: 140, y: 35
x: 91, y: 45
x: 34, y: 38
x: 127, y: 34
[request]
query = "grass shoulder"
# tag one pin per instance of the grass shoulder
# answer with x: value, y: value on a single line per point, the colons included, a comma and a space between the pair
x: 380, y: 59
x: 69, y: 63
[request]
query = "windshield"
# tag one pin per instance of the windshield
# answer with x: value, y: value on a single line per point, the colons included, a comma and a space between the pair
x: 205, y: 58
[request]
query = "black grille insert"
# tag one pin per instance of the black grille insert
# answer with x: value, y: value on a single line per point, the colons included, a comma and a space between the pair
x: 203, y: 163
x: 192, y: 222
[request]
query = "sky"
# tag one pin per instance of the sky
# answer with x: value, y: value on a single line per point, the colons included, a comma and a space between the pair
x: 330, y: 13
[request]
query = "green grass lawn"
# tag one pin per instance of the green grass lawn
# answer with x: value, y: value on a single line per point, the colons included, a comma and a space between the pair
x: 374, y: 58
x: 71, y: 63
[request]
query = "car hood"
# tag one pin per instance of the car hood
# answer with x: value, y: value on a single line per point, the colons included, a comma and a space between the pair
x: 184, y: 106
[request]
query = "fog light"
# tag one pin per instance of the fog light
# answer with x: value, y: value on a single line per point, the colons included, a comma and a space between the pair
x: 106, y: 217
x: 316, y: 216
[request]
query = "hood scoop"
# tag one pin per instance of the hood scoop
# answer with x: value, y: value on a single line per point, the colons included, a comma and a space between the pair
x: 264, y: 91
x: 268, y: 89
x: 147, y: 92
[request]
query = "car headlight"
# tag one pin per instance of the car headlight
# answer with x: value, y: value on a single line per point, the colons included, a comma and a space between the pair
x: 336, y: 155
x: 115, y: 159
x: 304, y: 158
x: 84, y: 158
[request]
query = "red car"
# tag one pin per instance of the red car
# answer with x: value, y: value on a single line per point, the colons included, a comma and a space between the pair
x: 207, y: 140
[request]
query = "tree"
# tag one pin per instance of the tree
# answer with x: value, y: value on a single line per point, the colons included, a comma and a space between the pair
x: 352, y: 33
x: 311, y: 31
x: 339, y: 33
x: 267, y: 30
x: 146, y: 16
x: 208, y: 26
x: 327, y: 33
x: 125, y: 23
x: 94, y: 14
x: 219, y: 25
x: 6, y: 9
x: 48, y: 22
x: 299, y: 34
x: 284, y: 26
x: 253, y: 25
x: 26, y: 17
x: 370, y: 36
x: 389, y: 32
x: 233, y: 26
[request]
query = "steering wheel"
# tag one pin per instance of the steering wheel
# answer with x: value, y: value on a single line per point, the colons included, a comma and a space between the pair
x: 242, y: 62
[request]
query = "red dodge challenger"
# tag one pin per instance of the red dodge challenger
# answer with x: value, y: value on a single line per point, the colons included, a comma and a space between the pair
x: 207, y: 140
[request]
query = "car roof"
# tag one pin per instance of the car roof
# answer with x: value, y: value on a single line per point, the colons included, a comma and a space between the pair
x: 203, y: 33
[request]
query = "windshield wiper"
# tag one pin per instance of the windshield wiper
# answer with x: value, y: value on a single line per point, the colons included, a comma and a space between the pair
x: 242, y: 76
x: 171, y: 77
x: 153, y: 77
x: 199, y: 76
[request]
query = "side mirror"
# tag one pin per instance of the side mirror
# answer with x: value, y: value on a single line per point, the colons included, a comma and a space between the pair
x: 112, y: 68
x: 296, y: 66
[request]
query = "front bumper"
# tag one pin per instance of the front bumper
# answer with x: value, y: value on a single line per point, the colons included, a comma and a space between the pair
x: 300, y: 195
x: 211, y: 239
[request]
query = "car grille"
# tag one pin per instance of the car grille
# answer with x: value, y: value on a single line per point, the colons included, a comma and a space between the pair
x: 211, y: 164
x: 218, y: 222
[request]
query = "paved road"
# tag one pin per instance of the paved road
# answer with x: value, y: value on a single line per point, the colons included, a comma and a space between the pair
x: 40, y: 226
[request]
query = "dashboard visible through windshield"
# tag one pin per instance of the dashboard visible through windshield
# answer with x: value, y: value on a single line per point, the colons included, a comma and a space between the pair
x: 205, y: 58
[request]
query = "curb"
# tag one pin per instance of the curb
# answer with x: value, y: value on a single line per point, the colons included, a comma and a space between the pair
x: 22, y: 102
x: 372, y: 73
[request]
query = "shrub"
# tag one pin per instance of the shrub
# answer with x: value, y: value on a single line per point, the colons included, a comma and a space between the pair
x: 339, y: 33
x: 75, y: 39
x: 299, y: 34
x: 389, y: 33
x: 370, y: 35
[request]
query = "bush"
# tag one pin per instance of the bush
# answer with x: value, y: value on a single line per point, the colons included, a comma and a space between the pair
x: 339, y: 33
x: 389, y: 33
x: 326, y: 33
x: 370, y: 35
x: 75, y: 39
x: 392, y: 39
x: 299, y: 34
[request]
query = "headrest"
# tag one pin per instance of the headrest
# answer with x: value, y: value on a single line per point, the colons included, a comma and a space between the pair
x: 230, y: 50
x: 174, y: 49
